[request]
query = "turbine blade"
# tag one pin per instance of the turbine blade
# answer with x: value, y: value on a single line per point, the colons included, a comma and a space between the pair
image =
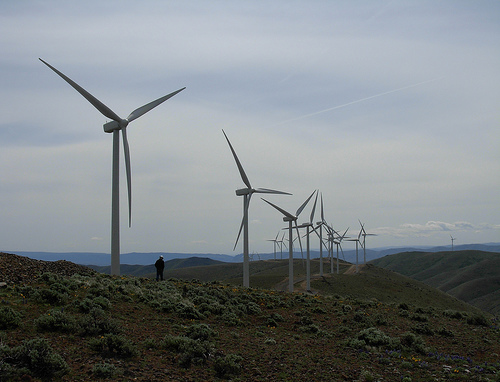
x: 240, y: 167
x: 311, y: 219
x: 304, y: 204
x: 322, y: 215
x: 106, y: 111
x: 144, y: 109
x: 287, y: 214
x: 300, y: 241
x: 245, y: 211
x: 269, y: 191
x: 239, y: 233
x: 129, y: 176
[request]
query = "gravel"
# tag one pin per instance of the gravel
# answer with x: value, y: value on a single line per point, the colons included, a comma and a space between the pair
x: 15, y: 269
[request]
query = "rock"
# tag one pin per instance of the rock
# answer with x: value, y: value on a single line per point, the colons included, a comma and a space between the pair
x: 16, y: 269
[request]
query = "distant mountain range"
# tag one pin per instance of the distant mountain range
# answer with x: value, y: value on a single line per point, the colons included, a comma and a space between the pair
x: 137, y: 258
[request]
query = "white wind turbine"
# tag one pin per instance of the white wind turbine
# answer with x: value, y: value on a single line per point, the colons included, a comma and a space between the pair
x: 307, y: 226
x: 320, y: 224
x: 275, y: 242
x: 452, y: 240
x: 247, y: 194
x: 114, y: 127
x: 290, y: 218
x: 363, y: 244
x: 338, y: 243
x: 282, y: 243
x: 357, y: 240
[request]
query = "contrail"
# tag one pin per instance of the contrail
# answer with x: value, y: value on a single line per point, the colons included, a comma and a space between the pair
x: 357, y: 101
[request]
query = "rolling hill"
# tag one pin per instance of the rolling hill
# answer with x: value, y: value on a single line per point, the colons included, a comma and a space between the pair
x: 62, y: 322
x: 143, y: 270
x: 470, y: 275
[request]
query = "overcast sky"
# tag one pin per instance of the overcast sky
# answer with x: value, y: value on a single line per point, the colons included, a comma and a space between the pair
x: 389, y: 108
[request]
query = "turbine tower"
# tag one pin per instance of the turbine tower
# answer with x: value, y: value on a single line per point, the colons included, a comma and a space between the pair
x: 275, y: 241
x: 307, y: 226
x: 357, y: 240
x: 247, y: 194
x: 114, y: 127
x: 452, y: 240
x: 290, y: 218
x: 338, y: 243
x: 363, y: 243
x: 320, y: 224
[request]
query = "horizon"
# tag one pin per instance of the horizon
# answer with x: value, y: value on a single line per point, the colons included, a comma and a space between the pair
x: 389, y: 109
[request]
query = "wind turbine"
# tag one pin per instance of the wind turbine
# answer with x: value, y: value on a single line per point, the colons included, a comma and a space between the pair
x: 290, y: 218
x: 247, y: 194
x: 338, y: 243
x: 363, y: 244
x: 452, y: 240
x: 320, y: 225
x: 275, y: 241
x: 114, y: 127
x: 307, y: 226
x: 282, y: 243
x: 357, y: 240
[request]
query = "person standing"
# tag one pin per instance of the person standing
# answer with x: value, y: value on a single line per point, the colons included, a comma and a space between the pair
x: 160, y: 265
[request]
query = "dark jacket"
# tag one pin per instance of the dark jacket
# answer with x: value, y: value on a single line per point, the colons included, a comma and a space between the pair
x: 160, y: 264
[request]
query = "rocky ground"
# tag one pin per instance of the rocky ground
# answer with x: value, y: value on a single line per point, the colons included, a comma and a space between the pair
x: 16, y: 269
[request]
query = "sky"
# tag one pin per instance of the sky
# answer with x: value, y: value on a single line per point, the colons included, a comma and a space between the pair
x: 389, y: 108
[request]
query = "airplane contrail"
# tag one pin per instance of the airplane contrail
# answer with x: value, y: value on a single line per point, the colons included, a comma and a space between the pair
x: 357, y: 101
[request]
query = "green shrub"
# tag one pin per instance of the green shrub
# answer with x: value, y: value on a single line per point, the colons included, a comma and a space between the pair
x: 419, y: 317
x: 423, y: 329
x: 56, y: 320
x: 413, y: 341
x: 104, y: 370
x: 87, y: 304
x: 97, y: 322
x: 33, y: 357
x: 228, y: 365
x: 253, y: 308
x: 445, y: 332
x: 229, y: 318
x: 478, y: 320
x: 190, y: 350
x: 373, y: 338
x: 9, y: 318
x: 200, y: 332
x: 50, y: 296
x: 454, y: 314
x: 113, y: 345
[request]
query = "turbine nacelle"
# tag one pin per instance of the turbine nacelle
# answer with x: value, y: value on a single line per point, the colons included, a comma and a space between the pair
x: 244, y: 191
x: 114, y: 125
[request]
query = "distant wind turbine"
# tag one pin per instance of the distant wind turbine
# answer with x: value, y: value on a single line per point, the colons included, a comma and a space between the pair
x: 114, y: 127
x: 282, y: 243
x: 275, y: 242
x: 290, y: 218
x: 363, y: 243
x: 452, y: 240
x: 320, y: 224
x: 357, y: 240
x: 338, y: 243
x: 307, y: 226
x: 247, y: 194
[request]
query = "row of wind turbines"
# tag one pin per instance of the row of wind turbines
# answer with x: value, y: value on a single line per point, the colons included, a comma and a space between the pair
x: 119, y: 124
x: 333, y: 237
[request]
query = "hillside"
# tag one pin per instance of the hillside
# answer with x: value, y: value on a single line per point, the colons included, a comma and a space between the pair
x: 149, y: 270
x: 371, y: 283
x: 90, y: 326
x: 471, y: 276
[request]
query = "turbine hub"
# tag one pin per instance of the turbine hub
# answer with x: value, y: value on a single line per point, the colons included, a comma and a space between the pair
x: 244, y: 191
x: 114, y: 125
